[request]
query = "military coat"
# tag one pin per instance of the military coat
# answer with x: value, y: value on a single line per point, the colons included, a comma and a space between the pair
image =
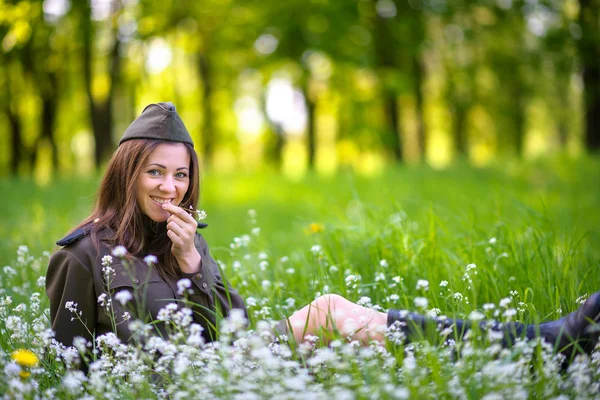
x: 76, y: 274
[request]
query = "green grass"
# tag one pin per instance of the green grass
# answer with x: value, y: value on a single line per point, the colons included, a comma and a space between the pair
x: 533, y: 231
x: 545, y: 216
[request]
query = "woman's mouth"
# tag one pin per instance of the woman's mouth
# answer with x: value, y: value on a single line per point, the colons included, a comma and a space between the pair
x: 160, y: 201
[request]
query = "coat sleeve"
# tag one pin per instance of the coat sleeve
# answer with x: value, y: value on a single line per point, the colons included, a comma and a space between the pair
x: 69, y: 280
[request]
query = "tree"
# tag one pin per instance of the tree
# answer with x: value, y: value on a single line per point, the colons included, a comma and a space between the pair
x: 589, y: 55
x: 100, y: 100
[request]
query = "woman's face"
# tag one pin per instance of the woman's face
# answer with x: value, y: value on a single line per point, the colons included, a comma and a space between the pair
x: 164, y: 178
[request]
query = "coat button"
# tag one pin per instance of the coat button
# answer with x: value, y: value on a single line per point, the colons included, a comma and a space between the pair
x: 198, y: 276
x: 135, y: 280
x: 204, y: 285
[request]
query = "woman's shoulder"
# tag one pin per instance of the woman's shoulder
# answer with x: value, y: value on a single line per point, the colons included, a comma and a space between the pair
x: 75, y: 236
x: 82, y: 244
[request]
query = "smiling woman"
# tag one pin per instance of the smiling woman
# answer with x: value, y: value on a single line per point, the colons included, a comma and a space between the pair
x: 140, y: 216
x: 152, y: 178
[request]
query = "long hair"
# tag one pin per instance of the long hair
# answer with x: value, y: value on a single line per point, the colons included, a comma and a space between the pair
x: 116, y: 212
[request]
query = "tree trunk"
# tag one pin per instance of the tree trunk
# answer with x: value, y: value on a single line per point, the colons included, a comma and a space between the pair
x: 386, y: 55
x: 311, y: 128
x: 100, y: 111
x: 392, y: 115
x: 16, y: 130
x: 418, y: 74
x: 208, y: 134
x: 49, y: 110
x: 589, y: 53
x: 459, y: 127
x: 275, y: 145
x: 519, y: 122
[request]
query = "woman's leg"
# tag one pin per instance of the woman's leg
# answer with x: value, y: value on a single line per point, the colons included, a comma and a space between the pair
x: 333, y: 313
x: 576, y: 332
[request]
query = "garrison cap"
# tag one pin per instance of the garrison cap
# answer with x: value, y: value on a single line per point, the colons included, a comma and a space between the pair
x: 158, y: 121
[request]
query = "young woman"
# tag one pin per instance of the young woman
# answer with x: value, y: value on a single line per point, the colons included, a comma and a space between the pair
x: 150, y: 183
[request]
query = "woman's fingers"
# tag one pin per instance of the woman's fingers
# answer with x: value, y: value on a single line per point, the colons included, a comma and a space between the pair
x: 181, y: 213
x: 175, y: 239
x: 181, y: 229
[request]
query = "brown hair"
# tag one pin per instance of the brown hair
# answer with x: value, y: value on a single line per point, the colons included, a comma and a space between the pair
x: 116, y: 211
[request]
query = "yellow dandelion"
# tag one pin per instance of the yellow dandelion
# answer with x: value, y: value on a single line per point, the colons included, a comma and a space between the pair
x: 25, y: 358
x: 24, y: 374
x: 314, y: 227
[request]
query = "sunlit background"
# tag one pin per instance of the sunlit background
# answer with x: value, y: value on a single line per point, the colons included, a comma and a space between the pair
x: 298, y: 86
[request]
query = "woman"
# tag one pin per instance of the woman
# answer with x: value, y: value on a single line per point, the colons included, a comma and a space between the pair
x: 150, y: 182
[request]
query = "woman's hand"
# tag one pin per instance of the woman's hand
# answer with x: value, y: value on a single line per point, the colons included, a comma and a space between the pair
x: 181, y: 229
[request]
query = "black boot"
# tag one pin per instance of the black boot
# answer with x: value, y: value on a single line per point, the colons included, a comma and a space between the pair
x: 418, y: 327
x: 576, y: 332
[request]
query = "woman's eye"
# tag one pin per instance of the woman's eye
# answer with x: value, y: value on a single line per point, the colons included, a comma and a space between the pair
x: 181, y: 175
x: 154, y: 172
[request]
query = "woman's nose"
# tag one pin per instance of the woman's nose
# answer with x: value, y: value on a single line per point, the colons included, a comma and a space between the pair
x: 167, y: 184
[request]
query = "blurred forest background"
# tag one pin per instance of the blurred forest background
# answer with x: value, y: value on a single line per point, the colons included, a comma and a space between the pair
x: 299, y: 85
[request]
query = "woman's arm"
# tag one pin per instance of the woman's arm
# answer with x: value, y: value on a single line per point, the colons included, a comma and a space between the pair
x: 70, y: 286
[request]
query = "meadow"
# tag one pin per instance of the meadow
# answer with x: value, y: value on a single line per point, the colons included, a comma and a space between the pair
x: 514, y: 241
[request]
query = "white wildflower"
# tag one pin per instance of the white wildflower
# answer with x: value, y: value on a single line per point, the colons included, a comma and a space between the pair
x: 150, y: 259
x: 119, y: 251
x: 71, y: 306
x: 421, y: 302
x: 123, y: 297
x: 102, y: 299
x: 422, y: 284
x: 201, y: 215
x: 505, y: 302
x: 476, y: 316
x: 183, y: 285
x: 107, y: 260
x: 12, y: 369
x: 509, y: 313
x: 73, y: 382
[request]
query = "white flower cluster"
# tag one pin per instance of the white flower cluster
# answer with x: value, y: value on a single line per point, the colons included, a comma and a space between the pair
x: 255, y: 362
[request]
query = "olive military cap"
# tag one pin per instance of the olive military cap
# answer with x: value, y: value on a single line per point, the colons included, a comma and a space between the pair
x: 158, y: 121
